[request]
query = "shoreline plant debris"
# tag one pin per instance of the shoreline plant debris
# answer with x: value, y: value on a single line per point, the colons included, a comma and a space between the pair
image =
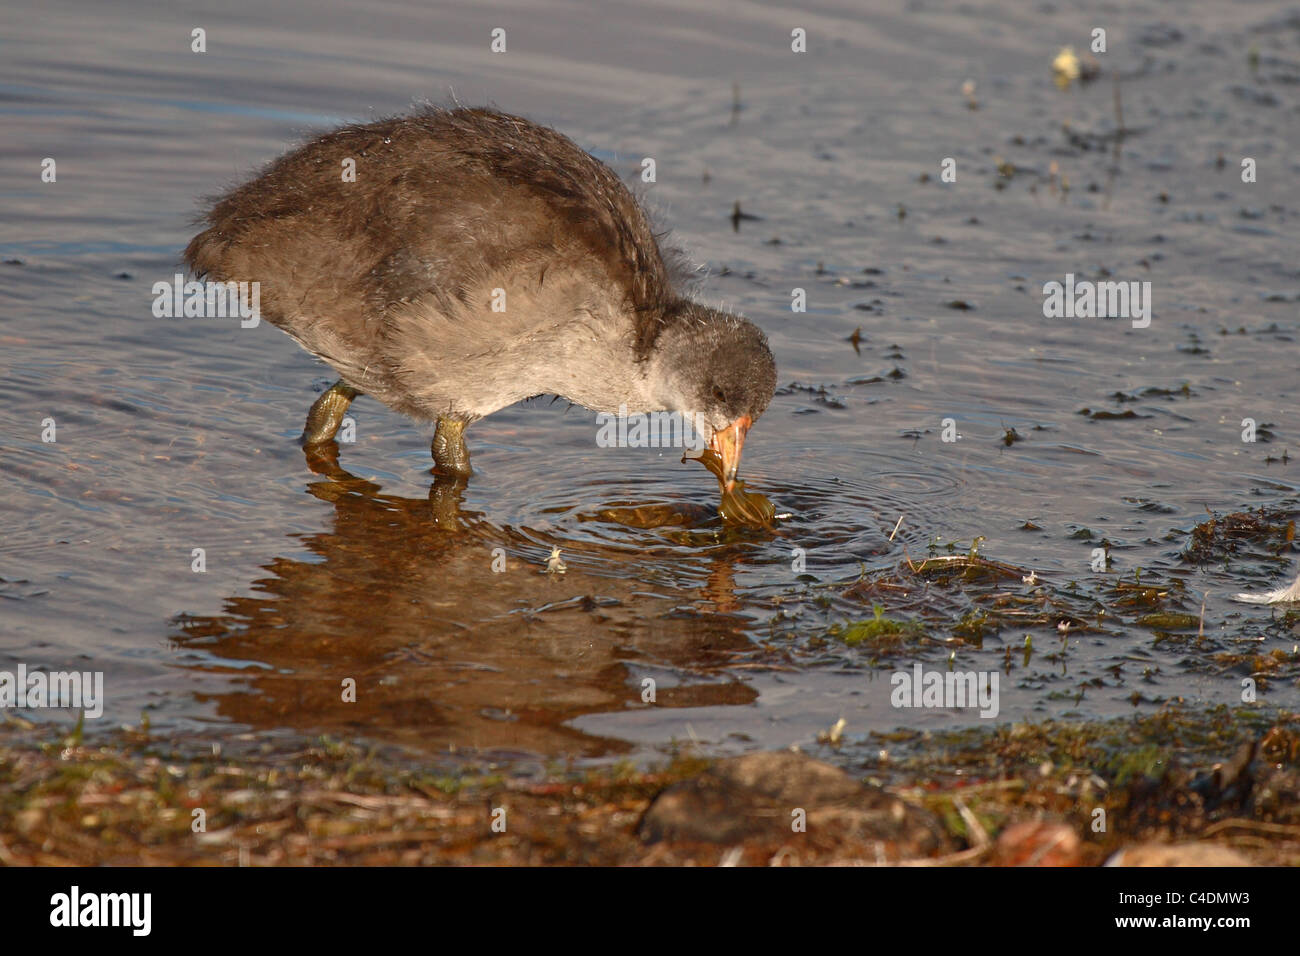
x: 1018, y: 794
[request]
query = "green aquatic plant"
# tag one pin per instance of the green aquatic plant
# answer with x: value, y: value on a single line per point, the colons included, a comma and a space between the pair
x: 879, y: 633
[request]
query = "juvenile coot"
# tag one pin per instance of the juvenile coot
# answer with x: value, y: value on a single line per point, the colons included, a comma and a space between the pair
x: 478, y: 259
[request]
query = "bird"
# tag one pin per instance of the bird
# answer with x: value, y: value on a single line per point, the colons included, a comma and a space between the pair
x: 451, y: 262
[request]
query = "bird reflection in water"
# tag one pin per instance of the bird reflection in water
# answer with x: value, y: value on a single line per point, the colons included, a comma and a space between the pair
x: 400, y: 595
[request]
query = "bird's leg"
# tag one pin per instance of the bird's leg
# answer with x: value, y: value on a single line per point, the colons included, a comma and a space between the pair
x: 327, y: 414
x: 450, y: 456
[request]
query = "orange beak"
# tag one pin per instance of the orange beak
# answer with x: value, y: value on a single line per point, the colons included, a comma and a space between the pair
x: 727, y: 444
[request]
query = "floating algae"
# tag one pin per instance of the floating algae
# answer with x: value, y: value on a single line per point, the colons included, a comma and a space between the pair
x: 738, y: 505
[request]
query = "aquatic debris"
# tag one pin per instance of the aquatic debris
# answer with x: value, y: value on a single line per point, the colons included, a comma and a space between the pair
x: 1069, y: 67
x: 856, y: 339
x: 737, y: 217
x: 970, y: 567
x: 1221, y: 536
x: 833, y: 735
x: 738, y: 505
x: 1102, y: 415
x: 553, y: 564
x: 879, y: 633
x: 1169, y: 621
x: 1065, y: 68
x: 1280, y: 596
x: 1136, y: 595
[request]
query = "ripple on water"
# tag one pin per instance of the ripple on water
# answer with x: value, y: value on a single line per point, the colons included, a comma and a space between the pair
x: 841, y: 520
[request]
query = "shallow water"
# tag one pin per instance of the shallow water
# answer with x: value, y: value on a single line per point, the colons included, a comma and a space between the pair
x: 176, y: 434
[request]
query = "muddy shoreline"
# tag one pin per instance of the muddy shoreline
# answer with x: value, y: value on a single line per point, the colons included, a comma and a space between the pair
x: 1023, y: 795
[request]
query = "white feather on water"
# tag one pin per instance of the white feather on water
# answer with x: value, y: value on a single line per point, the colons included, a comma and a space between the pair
x: 1273, y: 597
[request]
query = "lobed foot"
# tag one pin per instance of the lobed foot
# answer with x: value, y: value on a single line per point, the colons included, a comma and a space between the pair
x: 450, y: 456
x: 327, y: 413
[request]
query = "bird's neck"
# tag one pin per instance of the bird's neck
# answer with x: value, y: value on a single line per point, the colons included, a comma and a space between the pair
x: 597, y: 367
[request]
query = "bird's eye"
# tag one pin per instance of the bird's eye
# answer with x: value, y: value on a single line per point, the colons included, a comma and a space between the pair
x: 717, y: 393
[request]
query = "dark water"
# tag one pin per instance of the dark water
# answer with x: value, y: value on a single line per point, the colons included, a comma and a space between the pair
x: 177, y: 434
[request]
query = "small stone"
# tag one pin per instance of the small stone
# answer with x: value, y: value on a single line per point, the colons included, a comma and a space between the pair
x: 756, y: 799
x: 1038, y: 843
x: 1178, y: 854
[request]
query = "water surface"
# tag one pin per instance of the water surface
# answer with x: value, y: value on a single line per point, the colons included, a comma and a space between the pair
x: 177, y: 434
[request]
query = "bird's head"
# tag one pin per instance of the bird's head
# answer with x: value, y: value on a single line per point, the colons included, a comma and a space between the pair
x: 716, y: 369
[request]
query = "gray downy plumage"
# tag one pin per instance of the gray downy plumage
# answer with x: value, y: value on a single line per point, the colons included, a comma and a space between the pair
x: 391, y: 279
